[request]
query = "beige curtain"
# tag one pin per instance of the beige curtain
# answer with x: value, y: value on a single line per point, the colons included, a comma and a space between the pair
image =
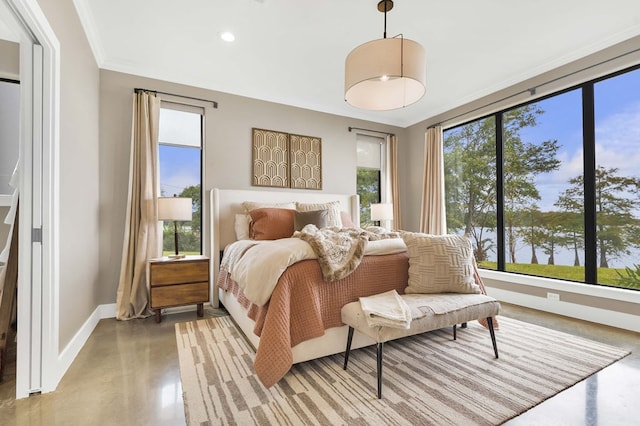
x: 394, y: 183
x: 141, y: 240
x: 433, y: 218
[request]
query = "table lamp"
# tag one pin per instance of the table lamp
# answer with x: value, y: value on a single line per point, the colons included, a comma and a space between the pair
x: 175, y: 209
x: 382, y: 212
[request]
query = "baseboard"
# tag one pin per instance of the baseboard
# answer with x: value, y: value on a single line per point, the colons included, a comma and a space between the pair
x: 107, y: 311
x: 73, y: 348
x: 71, y: 351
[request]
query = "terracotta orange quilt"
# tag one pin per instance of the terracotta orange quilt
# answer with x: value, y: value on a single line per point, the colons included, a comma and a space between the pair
x: 303, y: 305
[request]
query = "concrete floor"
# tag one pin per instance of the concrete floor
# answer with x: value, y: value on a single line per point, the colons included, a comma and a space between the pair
x: 128, y: 374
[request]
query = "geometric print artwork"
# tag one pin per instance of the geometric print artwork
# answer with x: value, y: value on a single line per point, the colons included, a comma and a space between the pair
x: 305, y: 162
x: 270, y: 158
x: 286, y: 161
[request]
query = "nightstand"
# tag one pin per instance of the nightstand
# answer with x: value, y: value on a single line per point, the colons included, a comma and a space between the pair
x: 178, y: 282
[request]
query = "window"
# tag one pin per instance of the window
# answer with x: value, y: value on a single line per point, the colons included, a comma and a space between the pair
x: 617, y: 180
x: 371, y: 174
x: 542, y: 146
x: 470, y: 185
x: 551, y: 188
x: 180, y: 158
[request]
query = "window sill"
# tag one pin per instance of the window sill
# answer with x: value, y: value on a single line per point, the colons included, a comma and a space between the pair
x: 613, y: 293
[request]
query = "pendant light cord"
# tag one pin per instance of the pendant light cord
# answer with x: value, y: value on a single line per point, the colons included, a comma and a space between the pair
x: 385, y: 20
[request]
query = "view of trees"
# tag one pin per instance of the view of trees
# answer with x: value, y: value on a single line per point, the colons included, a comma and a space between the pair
x: 368, y: 188
x: 471, y: 170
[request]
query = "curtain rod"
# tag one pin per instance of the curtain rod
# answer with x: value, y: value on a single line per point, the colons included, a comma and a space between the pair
x: 215, y: 104
x: 374, y: 131
x: 532, y: 90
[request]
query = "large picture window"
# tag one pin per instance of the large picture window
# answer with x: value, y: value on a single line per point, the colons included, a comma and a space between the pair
x: 180, y: 158
x: 550, y: 188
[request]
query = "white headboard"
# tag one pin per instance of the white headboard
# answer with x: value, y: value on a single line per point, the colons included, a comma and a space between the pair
x: 226, y: 203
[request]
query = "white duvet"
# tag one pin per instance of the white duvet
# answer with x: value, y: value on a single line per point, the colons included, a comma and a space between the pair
x: 257, y: 265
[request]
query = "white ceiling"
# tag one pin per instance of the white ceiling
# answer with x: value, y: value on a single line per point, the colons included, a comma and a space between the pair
x: 293, y: 51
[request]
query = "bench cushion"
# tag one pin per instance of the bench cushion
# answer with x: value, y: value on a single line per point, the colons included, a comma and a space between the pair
x: 428, y: 311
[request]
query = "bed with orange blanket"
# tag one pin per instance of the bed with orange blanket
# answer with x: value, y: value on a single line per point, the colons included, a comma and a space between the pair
x: 303, y: 306
x: 301, y: 320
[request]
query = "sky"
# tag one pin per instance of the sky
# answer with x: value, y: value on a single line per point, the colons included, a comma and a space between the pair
x: 617, y: 116
x: 180, y: 161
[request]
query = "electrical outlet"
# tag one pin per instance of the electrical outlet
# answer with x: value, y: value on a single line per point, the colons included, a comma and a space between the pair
x: 553, y: 296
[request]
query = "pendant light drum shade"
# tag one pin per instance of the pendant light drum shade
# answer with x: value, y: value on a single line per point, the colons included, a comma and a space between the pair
x: 385, y: 74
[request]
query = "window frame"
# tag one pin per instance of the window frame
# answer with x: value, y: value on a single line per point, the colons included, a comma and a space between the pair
x: 201, y: 111
x: 589, y: 174
x: 383, y: 171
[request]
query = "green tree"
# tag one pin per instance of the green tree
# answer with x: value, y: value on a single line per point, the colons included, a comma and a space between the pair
x: 470, y: 175
x: 531, y: 230
x: 368, y: 188
x: 470, y: 181
x: 523, y: 161
x: 194, y: 192
x: 572, y: 213
x: 615, y: 198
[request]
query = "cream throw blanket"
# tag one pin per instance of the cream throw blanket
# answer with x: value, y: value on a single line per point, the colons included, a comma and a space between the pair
x: 256, y: 266
x: 340, y: 250
x: 386, y: 310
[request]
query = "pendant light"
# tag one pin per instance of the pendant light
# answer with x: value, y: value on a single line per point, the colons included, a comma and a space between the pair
x: 386, y: 73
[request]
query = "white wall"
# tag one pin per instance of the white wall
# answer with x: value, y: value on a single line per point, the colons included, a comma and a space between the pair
x: 9, y: 60
x: 9, y: 124
x: 79, y: 236
x: 9, y: 133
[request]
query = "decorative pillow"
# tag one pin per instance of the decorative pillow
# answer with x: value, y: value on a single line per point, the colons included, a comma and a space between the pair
x: 440, y: 264
x: 315, y: 217
x: 333, y: 214
x: 346, y: 220
x: 271, y: 223
x: 241, y: 226
x: 252, y: 205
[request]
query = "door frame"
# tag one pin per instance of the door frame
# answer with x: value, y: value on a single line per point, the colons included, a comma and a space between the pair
x: 37, y: 364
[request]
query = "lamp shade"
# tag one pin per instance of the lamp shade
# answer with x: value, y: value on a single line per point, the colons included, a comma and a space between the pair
x: 383, y: 211
x: 174, y: 208
x: 385, y: 74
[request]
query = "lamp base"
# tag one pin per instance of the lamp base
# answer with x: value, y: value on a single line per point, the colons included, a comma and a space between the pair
x: 177, y: 256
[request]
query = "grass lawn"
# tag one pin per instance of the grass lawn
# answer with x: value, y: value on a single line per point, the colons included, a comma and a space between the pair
x: 606, y: 276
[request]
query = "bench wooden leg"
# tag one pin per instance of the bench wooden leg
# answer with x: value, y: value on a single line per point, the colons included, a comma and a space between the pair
x: 379, y: 359
x: 493, y: 336
x: 454, y: 331
x: 346, y: 352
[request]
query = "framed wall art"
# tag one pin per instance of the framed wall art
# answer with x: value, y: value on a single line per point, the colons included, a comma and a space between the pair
x: 305, y: 162
x: 270, y: 158
x: 284, y: 160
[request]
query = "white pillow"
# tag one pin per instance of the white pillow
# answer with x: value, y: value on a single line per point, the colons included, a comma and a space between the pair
x: 440, y: 264
x: 333, y: 214
x: 252, y: 205
x: 241, y: 226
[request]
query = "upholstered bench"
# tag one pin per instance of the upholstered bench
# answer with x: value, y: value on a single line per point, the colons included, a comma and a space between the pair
x: 437, y: 310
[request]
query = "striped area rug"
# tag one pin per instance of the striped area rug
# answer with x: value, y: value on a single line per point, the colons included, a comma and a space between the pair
x: 428, y: 379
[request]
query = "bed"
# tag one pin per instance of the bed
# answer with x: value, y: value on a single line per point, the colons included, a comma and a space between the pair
x: 288, y: 346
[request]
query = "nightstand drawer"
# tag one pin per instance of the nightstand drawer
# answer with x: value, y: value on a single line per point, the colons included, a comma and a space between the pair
x: 183, y: 294
x: 179, y: 272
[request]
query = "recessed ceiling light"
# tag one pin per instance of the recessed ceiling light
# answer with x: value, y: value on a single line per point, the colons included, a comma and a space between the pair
x: 227, y: 36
